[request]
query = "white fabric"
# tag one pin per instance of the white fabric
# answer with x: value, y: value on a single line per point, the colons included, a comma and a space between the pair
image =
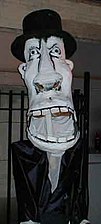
x: 85, y: 221
x: 29, y: 222
x: 54, y: 169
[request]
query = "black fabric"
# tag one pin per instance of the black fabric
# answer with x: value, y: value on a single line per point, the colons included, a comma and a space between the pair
x: 35, y: 201
x: 53, y: 218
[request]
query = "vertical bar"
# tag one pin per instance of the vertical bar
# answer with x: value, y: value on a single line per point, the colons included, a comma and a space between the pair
x: 9, y: 158
x: 81, y: 114
x: 86, y: 107
x: 76, y: 105
x: 22, y: 116
x: 86, y: 131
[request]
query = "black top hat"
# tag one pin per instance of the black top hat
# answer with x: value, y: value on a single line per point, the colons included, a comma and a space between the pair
x: 42, y: 24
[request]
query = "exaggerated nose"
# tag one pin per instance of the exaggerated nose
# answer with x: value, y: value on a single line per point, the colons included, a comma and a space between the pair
x: 47, y: 78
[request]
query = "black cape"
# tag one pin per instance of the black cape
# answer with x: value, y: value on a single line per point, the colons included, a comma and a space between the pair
x: 69, y: 201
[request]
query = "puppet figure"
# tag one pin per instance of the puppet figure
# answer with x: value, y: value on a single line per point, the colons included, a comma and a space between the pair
x: 47, y: 167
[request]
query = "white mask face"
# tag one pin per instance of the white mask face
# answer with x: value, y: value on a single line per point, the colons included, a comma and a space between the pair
x: 47, y: 75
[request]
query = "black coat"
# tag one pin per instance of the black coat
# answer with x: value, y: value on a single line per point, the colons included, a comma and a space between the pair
x: 69, y: 201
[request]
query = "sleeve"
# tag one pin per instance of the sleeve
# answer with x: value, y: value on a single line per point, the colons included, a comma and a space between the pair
x: 29, y: 166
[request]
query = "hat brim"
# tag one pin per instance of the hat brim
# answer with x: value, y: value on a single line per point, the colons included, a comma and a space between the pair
x: 17, y: 47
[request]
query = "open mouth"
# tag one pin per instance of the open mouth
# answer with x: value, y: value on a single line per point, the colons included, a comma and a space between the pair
x: 54, y: 125
x: 55, y: 112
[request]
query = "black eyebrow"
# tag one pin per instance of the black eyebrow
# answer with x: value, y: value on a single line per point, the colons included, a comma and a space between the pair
x: 52, y: 46
x: 40, y: 44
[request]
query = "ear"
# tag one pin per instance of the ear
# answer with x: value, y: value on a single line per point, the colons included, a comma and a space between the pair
x: 70, y: 63
x: 22, y: 68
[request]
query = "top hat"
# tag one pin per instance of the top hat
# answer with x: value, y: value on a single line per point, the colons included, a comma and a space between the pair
x: 42, y: 24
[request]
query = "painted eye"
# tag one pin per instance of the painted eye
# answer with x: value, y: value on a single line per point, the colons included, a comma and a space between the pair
x: 33, y: 54
x: 55, y: 52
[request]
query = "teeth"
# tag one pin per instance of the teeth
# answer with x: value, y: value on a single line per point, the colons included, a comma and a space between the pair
x: 45, y: 111
x: 62, y: 139
x: 36, y: 113
x: 70, y: 110
x: 54, y: 110
x: 48, y: 138
x: 41, y: 137
x: 70, y: 138
x: 63, y: 109
x: 51, y: 139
